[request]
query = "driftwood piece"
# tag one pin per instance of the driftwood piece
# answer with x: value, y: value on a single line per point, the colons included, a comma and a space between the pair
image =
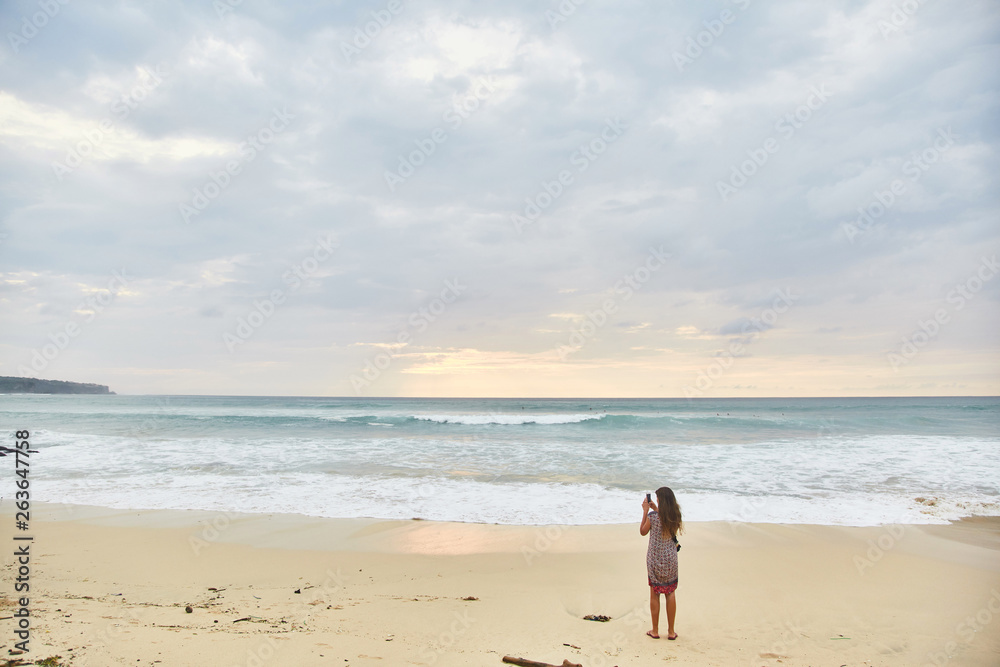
x: 531, y: 663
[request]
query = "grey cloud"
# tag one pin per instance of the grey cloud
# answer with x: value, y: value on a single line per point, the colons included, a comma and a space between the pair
x: 555, y: 88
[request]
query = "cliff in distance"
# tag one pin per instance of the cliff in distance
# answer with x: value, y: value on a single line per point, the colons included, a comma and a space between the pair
x: 16, y: 385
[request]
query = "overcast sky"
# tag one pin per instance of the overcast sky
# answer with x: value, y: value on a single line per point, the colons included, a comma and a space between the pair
x: 452, y: 198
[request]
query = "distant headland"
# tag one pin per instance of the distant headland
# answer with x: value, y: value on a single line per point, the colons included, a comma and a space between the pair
x: 16, y: 385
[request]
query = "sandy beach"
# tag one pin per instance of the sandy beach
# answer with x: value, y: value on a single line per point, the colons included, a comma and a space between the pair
x: 111, y: 587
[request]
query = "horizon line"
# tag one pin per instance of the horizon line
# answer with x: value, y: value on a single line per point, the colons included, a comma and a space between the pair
x: 523, y: 398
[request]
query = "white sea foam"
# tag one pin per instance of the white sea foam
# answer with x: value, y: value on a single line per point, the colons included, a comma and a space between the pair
x: 508, y: 419
x: 479, y: 502
x: 452, y: 460
x: 850, y: 482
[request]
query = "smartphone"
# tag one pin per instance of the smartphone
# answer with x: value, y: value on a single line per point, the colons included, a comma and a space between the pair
x: 649, y: 498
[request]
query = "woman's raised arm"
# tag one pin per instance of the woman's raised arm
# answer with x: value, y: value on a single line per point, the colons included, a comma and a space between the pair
x: 644, y: 526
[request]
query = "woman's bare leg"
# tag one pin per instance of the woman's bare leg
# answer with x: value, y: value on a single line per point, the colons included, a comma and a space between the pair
x: 671, y: 613
x: 654, y: 610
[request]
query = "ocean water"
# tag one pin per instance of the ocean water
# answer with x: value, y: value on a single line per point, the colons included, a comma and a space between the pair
x: 519, y: 461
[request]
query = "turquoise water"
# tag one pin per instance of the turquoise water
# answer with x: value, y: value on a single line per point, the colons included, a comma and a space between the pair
x: 521, y: 461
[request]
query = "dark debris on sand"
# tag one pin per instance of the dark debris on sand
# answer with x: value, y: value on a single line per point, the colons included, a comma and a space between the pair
x: 600, y: 618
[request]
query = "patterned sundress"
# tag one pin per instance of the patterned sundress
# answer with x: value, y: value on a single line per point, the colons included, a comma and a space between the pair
x: 661, y: 558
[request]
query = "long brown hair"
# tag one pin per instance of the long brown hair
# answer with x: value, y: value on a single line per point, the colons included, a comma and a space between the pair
x: 670, y: 512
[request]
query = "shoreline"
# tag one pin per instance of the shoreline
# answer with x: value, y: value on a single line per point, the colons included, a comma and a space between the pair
x: 175, y: 516
x: 111, y: 587
x: 251, y: 527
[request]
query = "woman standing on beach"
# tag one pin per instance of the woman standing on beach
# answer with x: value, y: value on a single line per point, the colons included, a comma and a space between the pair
x: 663, y: 524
